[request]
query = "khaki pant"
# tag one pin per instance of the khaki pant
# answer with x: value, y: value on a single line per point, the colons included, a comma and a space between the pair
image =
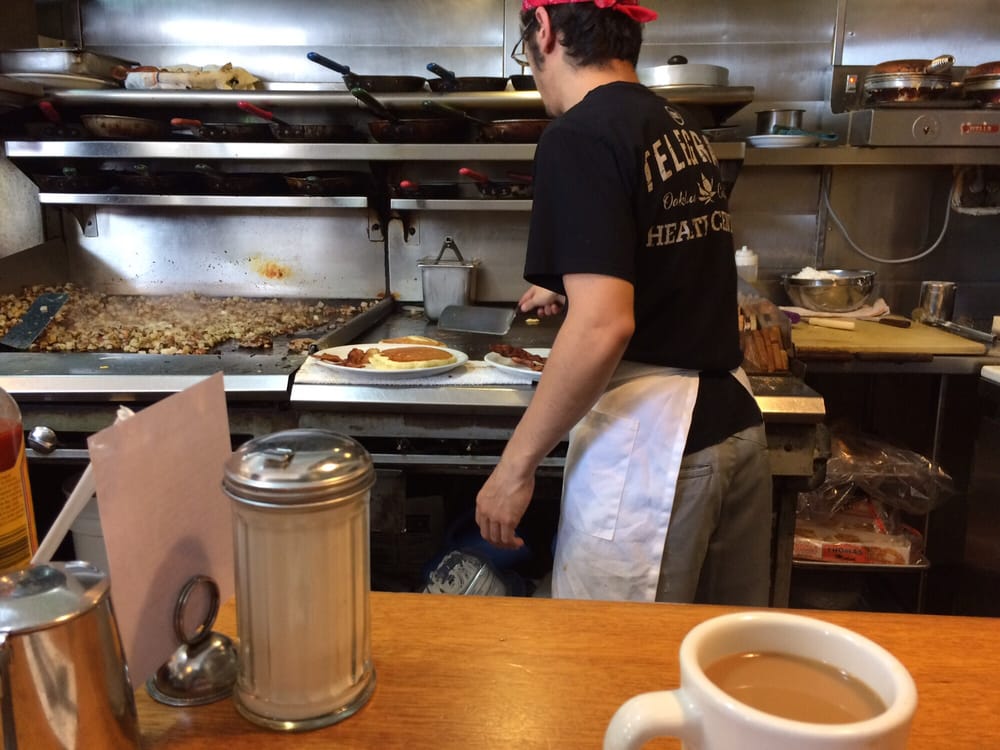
x: 718, y: 547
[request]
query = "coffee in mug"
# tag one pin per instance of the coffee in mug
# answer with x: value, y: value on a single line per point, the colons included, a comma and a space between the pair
x: 795, y: 687
x: 813, y: 685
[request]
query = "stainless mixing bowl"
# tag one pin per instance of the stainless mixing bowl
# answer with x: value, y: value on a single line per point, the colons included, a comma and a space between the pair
x: 848, y: 291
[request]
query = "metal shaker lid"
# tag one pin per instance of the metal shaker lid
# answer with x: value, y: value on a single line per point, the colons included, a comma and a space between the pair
x: 298, y: 467
x: 42, y: 596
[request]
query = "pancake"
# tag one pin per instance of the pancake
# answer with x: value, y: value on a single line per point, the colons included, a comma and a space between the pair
x: 416, y: 340
x: 410, y: 358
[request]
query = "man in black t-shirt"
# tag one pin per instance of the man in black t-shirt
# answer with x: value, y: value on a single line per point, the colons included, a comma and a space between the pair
x: 667, y: 487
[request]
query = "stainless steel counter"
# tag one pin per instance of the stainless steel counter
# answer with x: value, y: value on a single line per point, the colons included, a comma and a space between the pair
x: 781, y: 398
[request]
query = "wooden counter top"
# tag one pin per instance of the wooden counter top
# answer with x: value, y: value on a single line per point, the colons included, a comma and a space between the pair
x: 475, y: 673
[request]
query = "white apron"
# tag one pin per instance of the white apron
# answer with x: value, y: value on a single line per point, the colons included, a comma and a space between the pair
x: 618, y: 491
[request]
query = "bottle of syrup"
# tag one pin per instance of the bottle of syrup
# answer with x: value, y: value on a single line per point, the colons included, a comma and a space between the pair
x: 18, y: 538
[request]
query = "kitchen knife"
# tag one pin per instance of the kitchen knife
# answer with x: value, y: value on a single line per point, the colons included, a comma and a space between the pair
x: 32, y: 323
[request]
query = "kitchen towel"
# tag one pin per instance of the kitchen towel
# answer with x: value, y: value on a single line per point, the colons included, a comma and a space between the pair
x: 469, y: 374
x: 876, y: 309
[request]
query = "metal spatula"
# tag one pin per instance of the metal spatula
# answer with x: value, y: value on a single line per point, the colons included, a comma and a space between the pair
x: 477, y: 319
x: 33, y: 322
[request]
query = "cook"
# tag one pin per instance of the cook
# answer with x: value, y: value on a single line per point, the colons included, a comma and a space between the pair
x: 667, y: 489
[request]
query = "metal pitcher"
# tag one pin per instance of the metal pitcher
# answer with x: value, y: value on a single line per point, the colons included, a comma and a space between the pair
x: 63, y: 680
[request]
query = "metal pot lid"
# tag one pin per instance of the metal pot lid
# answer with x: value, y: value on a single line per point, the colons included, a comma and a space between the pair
x: 679, y: 72
x: 42, y: 596
x: 881, y: 81
x: 982, y: 83
x: 298, y: 467
x: 984, y: 69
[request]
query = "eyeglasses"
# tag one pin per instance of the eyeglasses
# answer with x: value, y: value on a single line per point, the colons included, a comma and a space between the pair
x: 518, y: 54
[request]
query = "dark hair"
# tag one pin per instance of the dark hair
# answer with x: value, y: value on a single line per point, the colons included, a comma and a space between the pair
x: 591, y: 35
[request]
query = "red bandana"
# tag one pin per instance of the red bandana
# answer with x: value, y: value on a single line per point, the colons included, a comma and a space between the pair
x: 630, y: 8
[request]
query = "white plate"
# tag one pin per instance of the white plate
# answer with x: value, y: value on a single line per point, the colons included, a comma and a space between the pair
x: 782, y: 141
x: 371, y: 372
x: 509, y: 366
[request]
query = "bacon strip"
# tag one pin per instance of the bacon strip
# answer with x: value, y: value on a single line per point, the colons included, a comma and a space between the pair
x: 519, y: 356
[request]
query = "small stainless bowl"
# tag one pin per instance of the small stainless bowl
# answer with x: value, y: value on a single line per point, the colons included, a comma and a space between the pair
x: 848, y: 291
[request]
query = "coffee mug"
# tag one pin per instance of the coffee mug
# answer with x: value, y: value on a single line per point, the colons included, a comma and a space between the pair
x: 774, y: 660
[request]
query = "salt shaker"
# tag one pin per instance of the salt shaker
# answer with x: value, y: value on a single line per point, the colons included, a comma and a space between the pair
x: 300, y: 523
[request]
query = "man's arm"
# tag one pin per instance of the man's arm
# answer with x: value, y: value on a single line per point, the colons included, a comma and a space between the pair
x: 590, y: 343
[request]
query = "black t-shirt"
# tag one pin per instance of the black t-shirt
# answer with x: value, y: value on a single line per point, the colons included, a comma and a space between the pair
x: 624, y: 186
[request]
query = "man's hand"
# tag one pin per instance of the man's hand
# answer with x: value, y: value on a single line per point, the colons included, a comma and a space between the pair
x: 541, y: 301
x: 501, y: 503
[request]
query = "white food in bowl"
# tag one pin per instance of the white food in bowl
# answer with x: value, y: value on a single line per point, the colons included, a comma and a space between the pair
x: 811, y: 273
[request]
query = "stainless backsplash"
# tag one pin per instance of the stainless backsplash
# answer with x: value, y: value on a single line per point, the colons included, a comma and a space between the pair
x: 785, y: 49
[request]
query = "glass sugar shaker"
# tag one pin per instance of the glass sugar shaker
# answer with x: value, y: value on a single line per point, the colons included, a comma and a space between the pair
x: 300, y: 524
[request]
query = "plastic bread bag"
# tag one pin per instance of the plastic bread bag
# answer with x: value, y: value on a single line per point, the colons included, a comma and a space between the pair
x: 219, y: 77
x: 862, y: 466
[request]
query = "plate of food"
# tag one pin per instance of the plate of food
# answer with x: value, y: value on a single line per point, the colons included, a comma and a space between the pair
x: 518, y: 361
x: 391, y: 360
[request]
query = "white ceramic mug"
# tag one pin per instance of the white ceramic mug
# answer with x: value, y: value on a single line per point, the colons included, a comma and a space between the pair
x: 705, y: 717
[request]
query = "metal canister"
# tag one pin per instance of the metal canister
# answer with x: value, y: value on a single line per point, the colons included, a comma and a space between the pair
x: 300, y: 523
x: 63, y: 679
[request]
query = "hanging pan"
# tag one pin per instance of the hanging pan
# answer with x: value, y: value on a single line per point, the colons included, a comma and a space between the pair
x: 394, y: 129
x: 518, y: 186
x: 378, y: 84
x: 308, y: 132
x: 54, y: 126
x: 120, y: 126
x: 427, y: 189
x: 518, y: 130
x: 223, y: 131
x: 448, y: 81
x: 329, y: 182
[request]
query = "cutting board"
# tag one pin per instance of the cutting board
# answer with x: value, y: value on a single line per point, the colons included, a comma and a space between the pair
x: 870, y: 339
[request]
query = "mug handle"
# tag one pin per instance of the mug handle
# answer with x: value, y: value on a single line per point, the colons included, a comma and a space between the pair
x: 648, y: 715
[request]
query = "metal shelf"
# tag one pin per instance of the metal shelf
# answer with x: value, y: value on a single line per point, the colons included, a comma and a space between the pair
x: 472, y: 204
x: 848, y: 156
x: 190, y: 149
x: 921, y: 565
x: 230, y: 201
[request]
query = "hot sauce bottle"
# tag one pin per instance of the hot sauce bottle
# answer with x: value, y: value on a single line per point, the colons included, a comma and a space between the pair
x: 18, y: 538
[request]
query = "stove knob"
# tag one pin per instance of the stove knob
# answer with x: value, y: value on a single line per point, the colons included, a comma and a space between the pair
x: 471, y: 446
x: 926, y: 129
x: 42, y: 439
x: 402, y: 445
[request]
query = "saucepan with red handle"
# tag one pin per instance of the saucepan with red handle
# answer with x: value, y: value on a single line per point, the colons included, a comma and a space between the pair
x: 223, y: 131
x: 428, y: 189
x: 518, y: 186
x: 54, y: 127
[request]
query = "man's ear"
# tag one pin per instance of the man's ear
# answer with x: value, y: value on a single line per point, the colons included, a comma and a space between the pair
x: 546, y: 37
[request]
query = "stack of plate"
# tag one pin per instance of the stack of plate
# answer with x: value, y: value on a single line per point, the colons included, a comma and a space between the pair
x: 782, y: 141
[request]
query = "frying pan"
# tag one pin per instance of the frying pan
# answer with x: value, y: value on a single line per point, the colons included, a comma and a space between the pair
x: 523, y: 82
x: 70, y: 181
x: 224, y: 131
x: 120, y: 126
x: 328, y: 183
x: 54, y: 127
x: 909, y: 80
x: 139, y: 178
x: 519, y: 186
x: 393, y: 129
x: 520, y: 130
x: 413, y: 189
x: 378, y: 84
x: 448, y: 81
x: 312, y: 132
x: 236, y: 183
